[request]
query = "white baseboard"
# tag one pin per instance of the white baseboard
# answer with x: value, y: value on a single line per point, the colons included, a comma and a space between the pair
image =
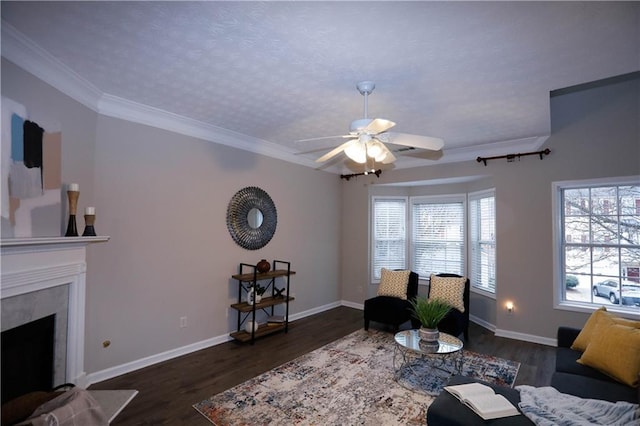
x: 353, y: 305
x: 513, y: 334
x: 313, y: 311
x: 526, y: 337
x: 129, y: 367
x: 482, y: 323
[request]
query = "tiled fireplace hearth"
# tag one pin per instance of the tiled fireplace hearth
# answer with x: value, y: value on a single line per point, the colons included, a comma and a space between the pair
x: 44, y: 276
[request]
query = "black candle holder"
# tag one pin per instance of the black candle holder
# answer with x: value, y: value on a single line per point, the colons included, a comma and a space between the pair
x: 72, y: 230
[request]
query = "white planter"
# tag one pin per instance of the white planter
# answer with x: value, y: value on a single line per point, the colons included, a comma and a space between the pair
x: 251, y: 325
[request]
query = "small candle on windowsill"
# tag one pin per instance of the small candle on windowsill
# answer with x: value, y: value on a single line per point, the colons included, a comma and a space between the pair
x: 90, y: 210
x: 73, y: 187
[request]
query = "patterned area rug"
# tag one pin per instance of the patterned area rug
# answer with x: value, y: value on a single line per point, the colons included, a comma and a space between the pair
x: 419, y: 375
x: 349, y: 381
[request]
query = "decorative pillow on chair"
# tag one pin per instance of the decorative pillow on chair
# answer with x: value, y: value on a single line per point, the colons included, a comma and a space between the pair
x: 394, y: 283
x: 448, y: 289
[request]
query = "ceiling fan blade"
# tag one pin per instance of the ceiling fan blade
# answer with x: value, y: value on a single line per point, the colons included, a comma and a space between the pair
x: 424, y: 154
x: 335, y: 151
x: 389, y: 158
x: 405, y: 139
x: 325, y: 137
x: 311, y: 151
x: 329, y: 163
x: 379, y: 125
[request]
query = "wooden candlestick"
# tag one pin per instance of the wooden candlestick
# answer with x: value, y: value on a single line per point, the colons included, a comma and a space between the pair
x: 73, y: 201
x: 72, y: 230
x: 89, y: 230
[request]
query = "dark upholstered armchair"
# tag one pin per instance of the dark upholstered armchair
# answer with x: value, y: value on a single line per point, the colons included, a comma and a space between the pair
x: 456, y: 322
x: 392, y: 310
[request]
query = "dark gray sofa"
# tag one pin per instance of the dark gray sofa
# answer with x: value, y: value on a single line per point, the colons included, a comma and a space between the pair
x: 583, y: 381
x: 446, y: 410
x: 569, y: 377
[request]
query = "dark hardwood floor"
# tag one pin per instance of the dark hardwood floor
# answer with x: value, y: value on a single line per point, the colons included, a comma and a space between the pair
x: 168, y: 390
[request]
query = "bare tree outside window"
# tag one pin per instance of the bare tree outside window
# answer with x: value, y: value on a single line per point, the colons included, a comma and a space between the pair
x: 601, y: 244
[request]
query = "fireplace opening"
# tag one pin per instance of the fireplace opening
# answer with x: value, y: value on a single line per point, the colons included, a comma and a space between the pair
x: 28, y: 358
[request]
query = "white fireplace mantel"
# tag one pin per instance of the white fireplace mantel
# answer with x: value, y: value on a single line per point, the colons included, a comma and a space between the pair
x: 33, y: 264
x: 48, y: 241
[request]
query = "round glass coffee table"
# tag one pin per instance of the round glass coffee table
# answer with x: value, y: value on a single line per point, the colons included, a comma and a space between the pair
x: 413, y: 357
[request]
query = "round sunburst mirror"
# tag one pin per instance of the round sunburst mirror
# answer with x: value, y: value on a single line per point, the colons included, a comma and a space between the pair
x: 251, y: 218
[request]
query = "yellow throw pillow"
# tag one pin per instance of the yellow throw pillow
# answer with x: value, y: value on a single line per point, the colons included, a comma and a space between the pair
x: 448, y: 289
x: 581, y: 342
x: 394, y: 283
x: 586, y: 334
x: 615, y: 350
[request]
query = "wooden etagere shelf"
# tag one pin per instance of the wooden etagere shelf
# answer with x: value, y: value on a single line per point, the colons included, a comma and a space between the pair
x: 264, y: 303
x: 247, y: 311
x: 263, y: 330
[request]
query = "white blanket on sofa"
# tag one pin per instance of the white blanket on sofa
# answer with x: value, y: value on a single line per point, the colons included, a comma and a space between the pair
x: 545, y: 406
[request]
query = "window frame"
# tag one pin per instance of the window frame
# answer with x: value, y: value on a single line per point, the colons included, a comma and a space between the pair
x: 372, y: 240
x: 472, y: 197
x: 559, y: 287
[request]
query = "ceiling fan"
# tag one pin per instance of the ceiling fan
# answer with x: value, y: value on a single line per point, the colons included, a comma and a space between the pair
x: 367, y: 137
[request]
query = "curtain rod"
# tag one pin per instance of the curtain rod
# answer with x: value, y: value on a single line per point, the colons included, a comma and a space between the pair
x: 372, y: 172
x: 512, y: 157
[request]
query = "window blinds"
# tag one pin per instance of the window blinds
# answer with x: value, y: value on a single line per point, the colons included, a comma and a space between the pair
x: 389, y: 230
x: 482, y: 224
x: 437, y: 237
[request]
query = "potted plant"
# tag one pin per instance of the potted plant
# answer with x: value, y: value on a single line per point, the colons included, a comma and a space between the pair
x: 429, y: 313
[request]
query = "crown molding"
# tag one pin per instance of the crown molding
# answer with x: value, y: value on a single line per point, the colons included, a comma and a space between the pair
x: 124, y: 109
x: 22, y: 51
x: 457, y: 155
x: 28, y: 55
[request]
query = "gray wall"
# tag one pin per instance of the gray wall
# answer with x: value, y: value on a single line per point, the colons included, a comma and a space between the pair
x: 162, y: 198
x: 594, y: 134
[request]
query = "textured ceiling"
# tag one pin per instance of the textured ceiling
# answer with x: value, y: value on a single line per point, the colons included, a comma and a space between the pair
x: 263, y: 75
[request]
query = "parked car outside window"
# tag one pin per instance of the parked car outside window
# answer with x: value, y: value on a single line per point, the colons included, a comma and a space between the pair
x: 611, y: 290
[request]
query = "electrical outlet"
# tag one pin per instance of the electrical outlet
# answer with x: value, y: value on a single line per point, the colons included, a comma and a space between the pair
x: 183, y: 322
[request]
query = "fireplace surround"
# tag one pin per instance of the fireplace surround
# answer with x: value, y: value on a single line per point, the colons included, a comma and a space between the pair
x: 44, y: 276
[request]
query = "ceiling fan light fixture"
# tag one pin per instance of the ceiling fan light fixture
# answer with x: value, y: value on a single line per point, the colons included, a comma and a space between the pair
x: 357, y: 152
x: 376, y: 150
x: 380, y: 158
x: 367, y: 137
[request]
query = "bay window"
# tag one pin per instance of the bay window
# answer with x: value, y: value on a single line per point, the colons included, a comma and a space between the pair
x: 389, y: 242
x: 482, y: 236
x: 438, y: 235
